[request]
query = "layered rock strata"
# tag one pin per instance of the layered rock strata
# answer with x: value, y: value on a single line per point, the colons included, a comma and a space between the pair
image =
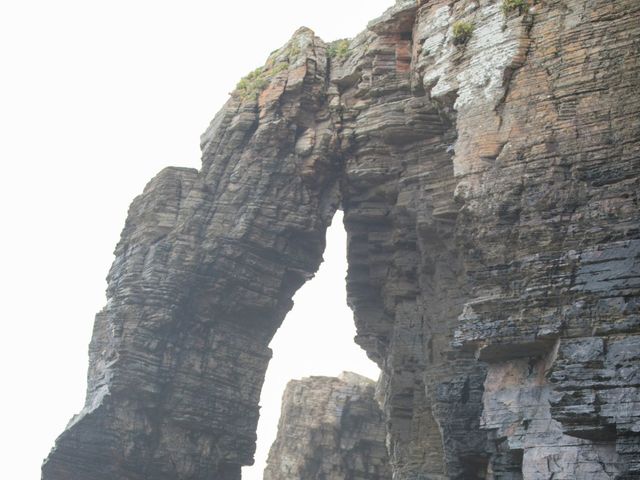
x: 330, y: 429
x: 490, y: 186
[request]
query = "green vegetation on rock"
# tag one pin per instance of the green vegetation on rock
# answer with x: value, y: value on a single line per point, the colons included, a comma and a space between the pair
x: 251, y: 85
x: 462, y: 32
x: 293, y: 51
x: 509, y: 6
x: 338, y: 49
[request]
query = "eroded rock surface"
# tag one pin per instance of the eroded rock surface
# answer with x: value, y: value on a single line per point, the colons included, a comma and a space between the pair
x: 330, y: 429
x: 491, y: 198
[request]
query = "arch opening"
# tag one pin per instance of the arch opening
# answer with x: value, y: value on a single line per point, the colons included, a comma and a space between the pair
x: 316, y: 338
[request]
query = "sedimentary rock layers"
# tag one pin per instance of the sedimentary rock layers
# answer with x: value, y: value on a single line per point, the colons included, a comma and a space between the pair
x: 203, y: 276
x: 332, y: 429
x: 490, y: 189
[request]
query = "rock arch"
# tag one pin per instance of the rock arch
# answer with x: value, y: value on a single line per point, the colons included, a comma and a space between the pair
x: 476, y: 182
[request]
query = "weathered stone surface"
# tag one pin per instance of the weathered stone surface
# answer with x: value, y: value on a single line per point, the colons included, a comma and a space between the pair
x: 330, y: 429
x: 490, y: 191
x: 203, y: 276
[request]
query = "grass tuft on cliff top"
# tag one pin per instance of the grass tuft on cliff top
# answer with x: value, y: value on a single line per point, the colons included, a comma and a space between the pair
x: 252, y: 84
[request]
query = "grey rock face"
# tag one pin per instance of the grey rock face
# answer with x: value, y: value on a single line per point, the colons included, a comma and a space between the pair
x: 330, y: 428
x: 203, y: 276
x: 490, y: 191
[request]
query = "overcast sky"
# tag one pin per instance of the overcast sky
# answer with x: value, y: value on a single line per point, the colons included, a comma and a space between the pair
x: 95, y: 98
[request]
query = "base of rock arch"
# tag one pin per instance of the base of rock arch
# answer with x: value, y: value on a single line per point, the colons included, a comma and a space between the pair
x: 490, y: 190
x: 330, y: 428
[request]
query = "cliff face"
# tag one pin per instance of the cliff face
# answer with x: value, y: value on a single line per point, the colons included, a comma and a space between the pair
x: 331, y: 429
x: 490, y: 190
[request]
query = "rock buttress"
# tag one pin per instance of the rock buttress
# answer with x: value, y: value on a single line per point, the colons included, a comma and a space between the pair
x: 490, y: 189
x: 331, y: 429
x: 203, y: 276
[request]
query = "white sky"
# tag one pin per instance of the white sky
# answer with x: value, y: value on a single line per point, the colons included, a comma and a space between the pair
x: 95, y: 98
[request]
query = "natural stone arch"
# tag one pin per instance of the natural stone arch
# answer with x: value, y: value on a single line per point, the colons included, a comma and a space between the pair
x: 489, y: 215
x: 209, y: 261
